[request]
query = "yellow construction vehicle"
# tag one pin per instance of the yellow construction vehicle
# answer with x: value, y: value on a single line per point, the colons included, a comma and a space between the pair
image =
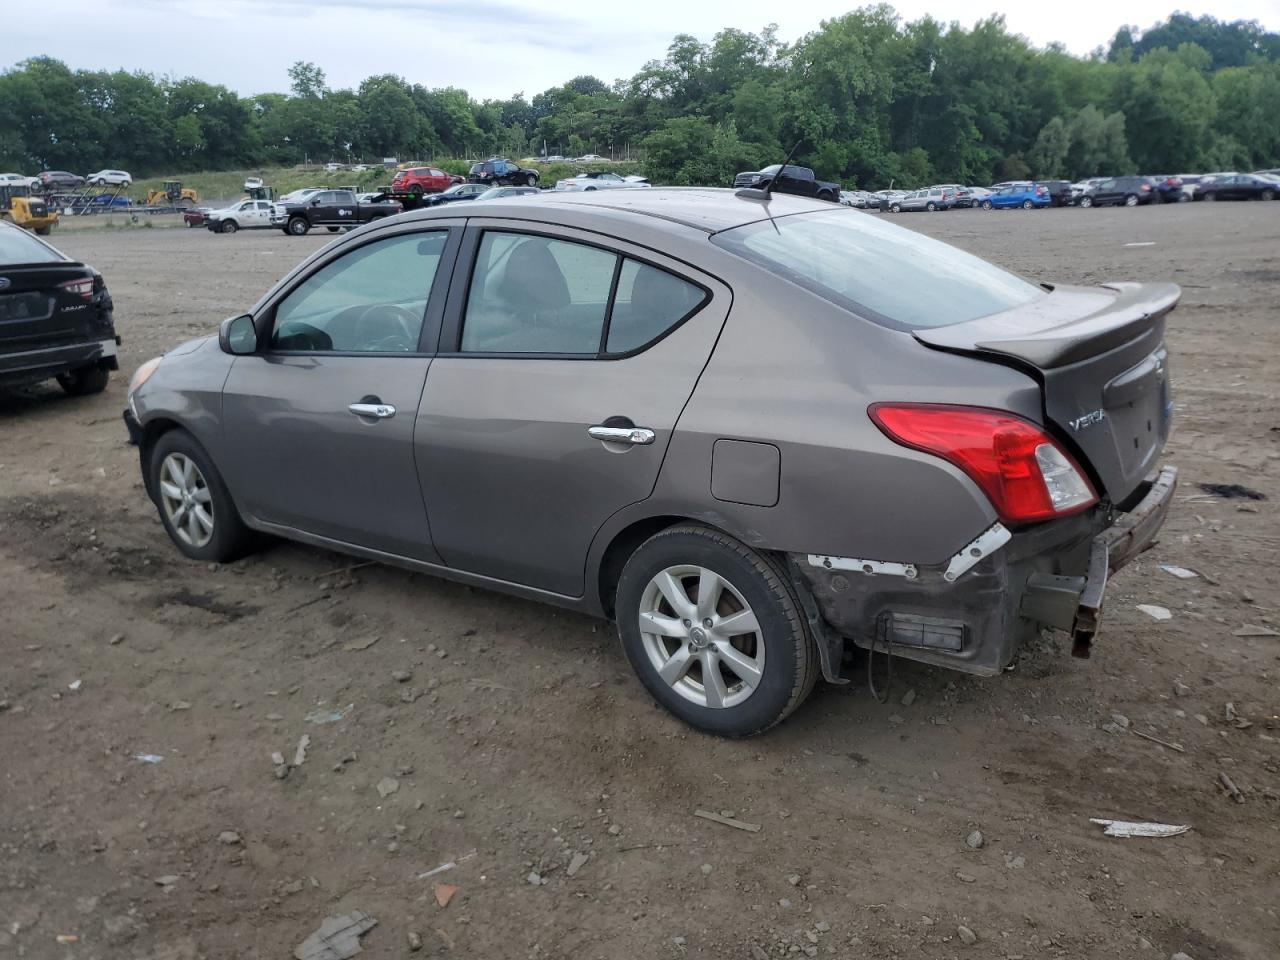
x: 173, y: 195
x: 17, y: 205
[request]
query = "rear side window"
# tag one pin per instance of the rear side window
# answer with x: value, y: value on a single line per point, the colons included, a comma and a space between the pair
x: 888, y: 274
x: 649, y: 302
x: 18, y: 246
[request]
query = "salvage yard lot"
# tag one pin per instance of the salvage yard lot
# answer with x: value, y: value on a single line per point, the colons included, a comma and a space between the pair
x: 521, y: 734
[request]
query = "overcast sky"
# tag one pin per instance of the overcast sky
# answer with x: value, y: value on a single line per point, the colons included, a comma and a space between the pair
x: 492, y: 49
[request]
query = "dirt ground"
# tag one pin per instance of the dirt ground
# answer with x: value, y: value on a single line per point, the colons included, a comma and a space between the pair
x: 521, y: 738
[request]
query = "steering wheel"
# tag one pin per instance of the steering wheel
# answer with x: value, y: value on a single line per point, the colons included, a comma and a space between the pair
x: 395, y: 324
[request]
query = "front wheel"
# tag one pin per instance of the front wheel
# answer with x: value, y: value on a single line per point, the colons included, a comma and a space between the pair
x: 1131, y: 200
x: 986, y: 204
x: 1027, y: 204
x: 229, y: 226
x: 298, y: 226
x: 44, y: 231
x: 931, y: 206
x: 1267, y: 195
x: 895, y: 208
x: 530, y: 180
x: 85, y: 381
x: 332, y: 229
x: 714, y: 632
x: 1086, y: 201
x: 195, y: 507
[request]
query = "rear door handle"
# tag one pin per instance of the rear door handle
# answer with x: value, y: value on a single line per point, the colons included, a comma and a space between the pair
x: 380, y: 411
x: 633, y: 435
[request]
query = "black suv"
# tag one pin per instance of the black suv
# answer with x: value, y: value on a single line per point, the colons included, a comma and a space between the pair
x: 1059, y: 191
x: 55, y: 317
x: 1130, y: 191
x: 497, y: 172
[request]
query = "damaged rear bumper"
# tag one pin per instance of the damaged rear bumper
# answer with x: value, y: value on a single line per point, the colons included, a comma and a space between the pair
x: 998, y: 591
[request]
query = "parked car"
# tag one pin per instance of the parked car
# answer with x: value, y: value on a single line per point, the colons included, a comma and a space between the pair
x: 1027, y: 196
x: 1240, y: 186
x: 497, y: 171
x: 860, y: 199
x: 18, y: 179
x: 958, y: 194
x: 107, y: 200
x: 977, y: 195
x: 333, y: 209
x: 498, y: 193
x: 942, y: 494
x: 887, y: 197
x: 799, y: 181
x: 245, y: 215
x: 417, y: 181
x: 934, y: 198
x: 109, y: 178
x: 1081, y: 187
x: 590, y: 158
x: 456, y: 193
x: 59, y: 180
x: 599, y: 180
x: 1168, y: 188
x: 194, y: 216
x: 1059, y: 192
x: 56, y: 318
x: 1129, y: 191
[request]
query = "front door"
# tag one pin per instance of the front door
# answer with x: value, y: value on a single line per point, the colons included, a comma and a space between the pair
x: 320, y: 421
x: 551, y: 402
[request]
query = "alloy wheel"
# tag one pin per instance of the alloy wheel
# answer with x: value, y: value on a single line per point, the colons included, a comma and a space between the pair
x: 187, y: 502
x: 701, y: 636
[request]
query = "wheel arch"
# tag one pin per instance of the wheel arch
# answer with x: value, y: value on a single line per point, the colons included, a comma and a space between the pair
x: 152, y: 431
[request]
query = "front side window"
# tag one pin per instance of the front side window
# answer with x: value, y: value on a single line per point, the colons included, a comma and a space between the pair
x: 903, y: 280
x: 533, y: 294
x: 371, y: 300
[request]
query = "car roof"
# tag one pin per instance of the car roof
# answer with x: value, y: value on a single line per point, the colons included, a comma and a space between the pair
x: 708, y: 210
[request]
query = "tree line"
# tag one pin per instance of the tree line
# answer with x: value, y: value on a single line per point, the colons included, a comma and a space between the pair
x: 867, y: 98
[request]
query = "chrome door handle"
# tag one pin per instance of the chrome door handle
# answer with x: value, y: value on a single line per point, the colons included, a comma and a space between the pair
x: 380, y: 411
x: 634, y: 435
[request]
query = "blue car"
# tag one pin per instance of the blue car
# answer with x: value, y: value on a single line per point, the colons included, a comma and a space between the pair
x: 1024, y: 195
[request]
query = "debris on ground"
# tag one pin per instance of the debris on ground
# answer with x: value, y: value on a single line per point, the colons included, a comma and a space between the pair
x: 908, y: 698
x: 975, y: 840
x: 727, y: 821
x: 328, y: 716
x: 415, y: 941
x: 67, y: 938
x: 342, y: 763
x: 300, y: 755
x: 967, y: 936
x: 578, y: 861
x: 387, y: 786
x: 337, y: 938
x: 75, y: 685
x: 1155, y: 612
x: 167, y: 881
x: 401, y: 676
x: 1249, y: 630
x: 1128, y: 828
x: 179, y: 705
x: 444, y: 892
x: 1182, y: 573
x: 229, y: 837
x: 1164, y: 743
x: 282, y: 768
x: 1232, y: 790
x: 1231, y: 491
x: 364, y: 643
x: 116, y: 638
x: 148, y: 757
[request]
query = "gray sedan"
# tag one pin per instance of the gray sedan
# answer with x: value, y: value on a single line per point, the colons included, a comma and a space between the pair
x: 683, y: 410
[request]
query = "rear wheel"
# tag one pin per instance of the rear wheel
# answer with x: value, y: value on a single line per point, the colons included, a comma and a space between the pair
x: 931, y: 206
x: 1086, y: 201
x: 298, y: 226
x: 195, y: 507
x: 1210, y: 197
x: 1267, y: 195
x: 229, y: 226
x: 530, y: 180
x: 332, y: 229
x: 986, y: 204
x: 895, y: 208
x: 1131, y: 200
x: 46, y: 230
x: 1027, y: 204
x: 714, y: 632
x: 85, y: 381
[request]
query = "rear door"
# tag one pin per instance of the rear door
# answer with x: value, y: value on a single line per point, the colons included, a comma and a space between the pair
x: 322, y: 417
x: 539, y: 361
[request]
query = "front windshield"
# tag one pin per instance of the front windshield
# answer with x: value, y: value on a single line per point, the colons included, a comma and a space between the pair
x: 886, y: 273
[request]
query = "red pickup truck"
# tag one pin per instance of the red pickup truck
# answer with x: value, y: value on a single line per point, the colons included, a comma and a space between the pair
x: 420, y: 180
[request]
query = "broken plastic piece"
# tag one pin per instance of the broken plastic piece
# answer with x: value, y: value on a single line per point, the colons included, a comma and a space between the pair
x: 337, y: 938
x: 1127, y: 828
x: 148, y: 757
x: 1155, y: 612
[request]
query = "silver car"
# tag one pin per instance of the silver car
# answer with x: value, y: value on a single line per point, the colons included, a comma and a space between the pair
x: 683, y: 410
x: 935, y: 198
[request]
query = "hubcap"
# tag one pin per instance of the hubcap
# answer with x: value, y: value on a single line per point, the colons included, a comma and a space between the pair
x: 701, y: 636
x: 186, y: 500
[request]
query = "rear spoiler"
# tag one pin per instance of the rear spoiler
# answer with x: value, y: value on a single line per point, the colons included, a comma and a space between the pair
x: 1070, y: 324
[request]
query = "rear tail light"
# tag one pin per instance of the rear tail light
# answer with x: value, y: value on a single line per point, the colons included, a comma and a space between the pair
x: 80, y: 288
x: 1025, y: 474
x: 1146, y: 187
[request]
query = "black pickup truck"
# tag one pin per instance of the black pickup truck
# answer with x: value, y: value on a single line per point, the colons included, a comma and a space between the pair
x: 797, y: 180
x: 334, y: 209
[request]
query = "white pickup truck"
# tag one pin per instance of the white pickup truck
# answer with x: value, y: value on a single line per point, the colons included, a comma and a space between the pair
x: 245, y: 215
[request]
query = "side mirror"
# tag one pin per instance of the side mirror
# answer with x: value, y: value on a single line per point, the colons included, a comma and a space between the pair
x: 237, y: 336
x: 315, y: 201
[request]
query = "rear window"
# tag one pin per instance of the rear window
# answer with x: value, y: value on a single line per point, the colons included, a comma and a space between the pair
x: 885, y: 273
x: 18, y: 246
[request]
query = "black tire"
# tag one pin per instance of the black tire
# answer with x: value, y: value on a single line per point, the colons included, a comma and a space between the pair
x: 298, y: 226
x: 85, y: 381
x: 228, y: 226
x: 1131, y: 200
x: 986, y: 205
x: 791, y: 662
x: 45, y: 231
x: 895, y: 208
x: 285, y: 231
x: 530, y: 180
x: 332, y: 229
x: 931, y: 206
x: 1027, y: 204
x: 230, y: 539
x: 1086, y: 202
x: 587, y: 189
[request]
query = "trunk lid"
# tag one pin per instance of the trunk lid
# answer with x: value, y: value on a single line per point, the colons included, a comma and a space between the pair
x: 1099, y: 353
x: 36, y: 312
